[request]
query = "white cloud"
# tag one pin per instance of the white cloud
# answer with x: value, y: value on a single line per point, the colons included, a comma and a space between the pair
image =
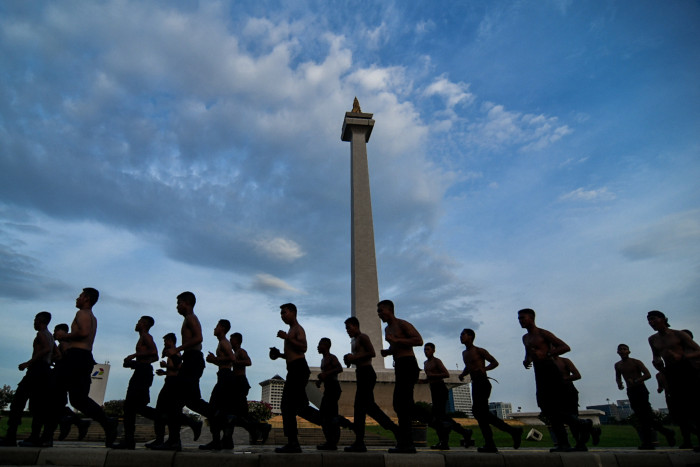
x: 580, y: 194
x: 280, y: 248
x: 498, y: 128
x: 269, y: 283
x: 454, y: 93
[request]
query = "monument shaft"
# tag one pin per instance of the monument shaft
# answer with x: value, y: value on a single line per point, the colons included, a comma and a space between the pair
x: 357, y: 128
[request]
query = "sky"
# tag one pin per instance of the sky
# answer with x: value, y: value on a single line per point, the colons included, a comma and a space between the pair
x: 536, y: 155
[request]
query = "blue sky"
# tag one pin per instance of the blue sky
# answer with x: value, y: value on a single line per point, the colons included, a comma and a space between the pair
x: 525, y: 154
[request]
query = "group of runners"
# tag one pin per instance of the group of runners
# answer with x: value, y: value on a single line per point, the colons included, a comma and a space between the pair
x: 59, y: 370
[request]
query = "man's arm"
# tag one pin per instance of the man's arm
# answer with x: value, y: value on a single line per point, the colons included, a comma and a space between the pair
x: 241, y: 358
x: 657, y: 361
x: 556, y: 346
x: 644, y: 373
x: 364, y: 349
x: 527, y: 361
x: 493, y: 363
x: 332, y: 368
x: 440, y: 370
x: 412, y: 337
x: 618, y: 377
x: 147, y: 350
x: 572, y: 372
x: 42, y: 348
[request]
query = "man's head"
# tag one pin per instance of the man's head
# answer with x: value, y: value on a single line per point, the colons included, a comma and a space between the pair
x: 429, y: 349
x: 42, y: 320
x: 352, y: 326
x: 170, y: 340
x: 61, y: 327
x: 144, y: 323
x: 186, y: 302
x: 623, y: 351
x: 526, y: 317
x: 288, y: 313
x: 467, y: 336
x: 222, y: 327
x: 236, y: 340
x: 385, y: 310
x: 657, y: 320
x: 87, y: 298
x: 324, y: 345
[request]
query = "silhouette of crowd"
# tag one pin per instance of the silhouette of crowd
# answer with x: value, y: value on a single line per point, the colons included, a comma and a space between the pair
x: 60, y: 369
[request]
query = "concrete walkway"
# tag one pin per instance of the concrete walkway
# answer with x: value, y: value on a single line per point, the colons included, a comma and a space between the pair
x: 93, y: 454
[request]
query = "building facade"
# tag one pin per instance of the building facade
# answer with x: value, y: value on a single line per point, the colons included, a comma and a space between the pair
x: 501, y: 409
x: 460, y: 400
x: 272, y: 393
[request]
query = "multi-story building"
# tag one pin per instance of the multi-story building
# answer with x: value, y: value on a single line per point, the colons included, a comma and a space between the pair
x: 460, y: 400
x: 272, y: 393
x: 501, y: 409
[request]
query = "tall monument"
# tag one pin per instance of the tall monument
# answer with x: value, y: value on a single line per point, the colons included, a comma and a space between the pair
x: 357, y: 128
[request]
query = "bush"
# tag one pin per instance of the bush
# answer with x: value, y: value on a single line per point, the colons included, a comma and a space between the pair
x: 260, y: 411
x: 6, y: 395
x: 114, y: 408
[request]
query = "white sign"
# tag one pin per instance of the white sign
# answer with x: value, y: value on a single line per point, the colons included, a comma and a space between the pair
x: 98, y: 387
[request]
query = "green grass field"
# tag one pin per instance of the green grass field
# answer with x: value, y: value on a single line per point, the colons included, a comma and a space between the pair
x: 612, y: 436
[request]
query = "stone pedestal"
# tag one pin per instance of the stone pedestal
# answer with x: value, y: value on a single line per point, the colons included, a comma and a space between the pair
x: 383, y: 391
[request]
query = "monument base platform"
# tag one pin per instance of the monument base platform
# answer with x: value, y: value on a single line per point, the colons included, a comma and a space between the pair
x: 383, y: 390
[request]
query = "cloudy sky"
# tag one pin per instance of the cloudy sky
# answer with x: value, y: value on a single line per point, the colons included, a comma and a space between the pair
x: 525, y: 154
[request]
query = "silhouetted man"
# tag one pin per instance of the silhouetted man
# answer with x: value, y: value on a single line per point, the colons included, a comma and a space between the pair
x: 167, y: 397
x: 361, y: 356
x: 73, y: 376
x: 33, y: 386
x: 677, y: 355
x: 402, y: 337
x: 138, y: 392
x: 294, y: 399
x: 330, y: 420
x: 475, y: 359
x: 540, y: 348
x: 220, y: 398
x: 188, y: 392
x: 634, y: 373
x: 435, y: 374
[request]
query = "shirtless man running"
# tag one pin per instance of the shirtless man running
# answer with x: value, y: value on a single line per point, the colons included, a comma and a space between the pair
x: 361, y: 356
x: 677, y: 355
x: 294, y: 400
x: 540, y: 346
x: 634, y: 373
x: 73, y: 375
x: 475, y: 365
x: 137, y: 394
x: 402, y: 337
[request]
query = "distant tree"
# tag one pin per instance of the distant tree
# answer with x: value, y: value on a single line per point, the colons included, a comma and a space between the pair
x: 6, y: 395
x: 457, y: 414
x: 114, y: 408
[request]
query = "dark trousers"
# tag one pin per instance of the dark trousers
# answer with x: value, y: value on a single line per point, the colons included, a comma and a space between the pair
x: 639, y: 402
x: 481, y: 391
x: 294, y: 400
x: 406, y: 371
x: 167, y: 399
x: 550, y: 391
x: 441, y: 422
x: 329, y: 411
x: 137, y: 398
x: 73, y: 376
x: 33, y: 388
x: 188, y: 393
x: 365, y: 405
x: 684, y: 386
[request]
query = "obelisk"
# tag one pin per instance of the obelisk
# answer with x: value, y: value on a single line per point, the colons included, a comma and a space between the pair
x: 357, y: 128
